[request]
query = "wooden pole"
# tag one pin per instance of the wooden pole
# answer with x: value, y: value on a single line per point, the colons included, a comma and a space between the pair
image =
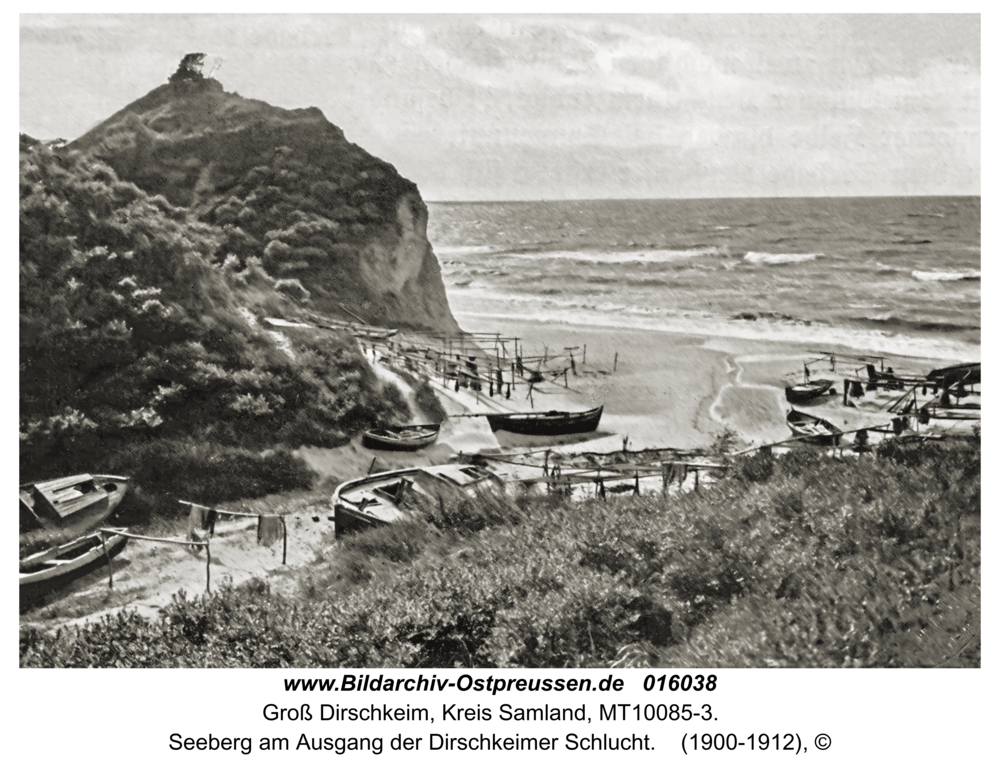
x: 585, y: 352
x: 615, y: 369
x: 374, y: 460
x: 111, y: 578
x: 284, y: 543
x: 208, y: 566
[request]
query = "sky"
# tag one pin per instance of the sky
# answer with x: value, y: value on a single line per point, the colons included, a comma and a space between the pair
x: 530, y: 107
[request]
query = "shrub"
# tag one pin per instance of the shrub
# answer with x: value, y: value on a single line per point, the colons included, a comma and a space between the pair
x: 293, y: 288
x: 836, y: 564
x: 426, y: 399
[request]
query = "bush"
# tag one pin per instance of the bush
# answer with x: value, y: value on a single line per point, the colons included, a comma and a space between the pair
x: 426, y: 399
x: 828, y: 563
x: 210, y: 473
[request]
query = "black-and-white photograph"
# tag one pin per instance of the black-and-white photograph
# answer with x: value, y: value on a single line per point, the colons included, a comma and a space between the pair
x: 500, y: 341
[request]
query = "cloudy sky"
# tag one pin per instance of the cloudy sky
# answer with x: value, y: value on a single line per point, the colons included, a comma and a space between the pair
x: 504, y: 107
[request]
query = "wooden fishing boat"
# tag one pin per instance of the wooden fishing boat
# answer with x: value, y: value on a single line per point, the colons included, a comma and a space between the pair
x: 383, y: 498
x: 967, y: 374
x: 47, y: 570
x: 551, y: 423
x: 401, y: 438
x: 806, y: 391
x: 58, y: 510
x: 815, y: 430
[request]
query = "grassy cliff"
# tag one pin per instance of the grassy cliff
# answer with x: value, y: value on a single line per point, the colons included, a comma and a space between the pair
x: 141, y: 352
x: 150, y: 249
x: 287, y: 187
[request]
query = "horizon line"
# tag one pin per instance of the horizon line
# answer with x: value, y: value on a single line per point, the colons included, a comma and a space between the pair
x: 702, y: 198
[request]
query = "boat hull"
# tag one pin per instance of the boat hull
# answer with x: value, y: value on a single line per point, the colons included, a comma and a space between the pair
x: 84, y: 554
x: 547, y: 423
x: 800, y: 394
x: 386, y: 498
x: 43, y: 525
x: 813, y: 430
x: 385, y: 440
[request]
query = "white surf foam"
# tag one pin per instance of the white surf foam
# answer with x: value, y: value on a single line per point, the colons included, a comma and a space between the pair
x: 758, y: 258
x: 618, y: 257
x: 958, y: 275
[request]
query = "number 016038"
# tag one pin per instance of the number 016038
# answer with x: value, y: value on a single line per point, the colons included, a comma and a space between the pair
x: 683, y: 683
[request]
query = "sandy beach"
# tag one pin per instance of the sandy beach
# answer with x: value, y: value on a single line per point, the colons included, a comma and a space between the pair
x: 681, y: 391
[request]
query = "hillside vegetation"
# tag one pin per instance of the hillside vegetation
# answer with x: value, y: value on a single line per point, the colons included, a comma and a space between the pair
x: 140, y: 351
x: 805, y: 560
x: 285, y: 186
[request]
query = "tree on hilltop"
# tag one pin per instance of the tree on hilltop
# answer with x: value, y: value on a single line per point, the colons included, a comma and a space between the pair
x: 189, y: 68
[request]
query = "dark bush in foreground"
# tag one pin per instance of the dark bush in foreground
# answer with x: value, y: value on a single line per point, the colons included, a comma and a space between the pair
x: 829, y: 563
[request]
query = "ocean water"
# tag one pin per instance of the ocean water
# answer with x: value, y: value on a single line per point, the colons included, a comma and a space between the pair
x: 888, y: 275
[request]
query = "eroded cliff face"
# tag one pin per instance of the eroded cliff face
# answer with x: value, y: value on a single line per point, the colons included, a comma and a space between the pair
x: 284, y: 187
x: 401, y: 272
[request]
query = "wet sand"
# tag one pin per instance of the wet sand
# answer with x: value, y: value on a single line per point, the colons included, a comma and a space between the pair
x: 681, y: 391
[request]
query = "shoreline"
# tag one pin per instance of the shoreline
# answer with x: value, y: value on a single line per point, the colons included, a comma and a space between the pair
x: 681, y: 390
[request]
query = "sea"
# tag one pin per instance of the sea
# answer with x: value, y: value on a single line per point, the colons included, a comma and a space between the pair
x: 889, y: 275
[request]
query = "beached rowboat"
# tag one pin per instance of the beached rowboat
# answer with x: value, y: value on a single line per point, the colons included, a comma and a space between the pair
x: 401, y: 438
x: 968, y: 374
x: 551, y: 423
x: 45, y: 571
x: 59, y: 510
x: 815, y: 430
x: 806, y: 391
x: 384, y: 498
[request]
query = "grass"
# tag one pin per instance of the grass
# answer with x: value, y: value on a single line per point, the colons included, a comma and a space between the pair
x: 819, y: 562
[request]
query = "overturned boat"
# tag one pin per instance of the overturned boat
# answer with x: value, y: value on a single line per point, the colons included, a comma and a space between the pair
x: 401, y: 438
x: 814, y: 430
x: 53, y: 568
x: 552, y: 423
x: 383, y: 498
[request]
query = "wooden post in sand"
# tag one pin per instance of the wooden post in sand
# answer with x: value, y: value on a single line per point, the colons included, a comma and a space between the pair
x: 615, y: 369
x: 111, y: 578
x: 208, y: 566
x: 284, y: 543
x: 585, y: 352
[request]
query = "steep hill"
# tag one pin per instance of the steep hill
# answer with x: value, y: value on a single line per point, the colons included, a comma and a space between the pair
x: 141, y: 352
x: 285, y: 186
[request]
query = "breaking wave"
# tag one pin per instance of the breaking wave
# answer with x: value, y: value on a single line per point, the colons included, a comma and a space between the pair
x: 936, y: 275
x: 763, y: 258
x: 891, y: 322
x: 619, y: 257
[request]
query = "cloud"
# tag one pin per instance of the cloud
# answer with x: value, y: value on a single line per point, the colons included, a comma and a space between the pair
x: 582, y: 55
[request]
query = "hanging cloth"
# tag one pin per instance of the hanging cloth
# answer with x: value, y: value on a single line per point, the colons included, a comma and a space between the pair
x: 196, y: 520
x: 269, y: 530
x: 210, y: 518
